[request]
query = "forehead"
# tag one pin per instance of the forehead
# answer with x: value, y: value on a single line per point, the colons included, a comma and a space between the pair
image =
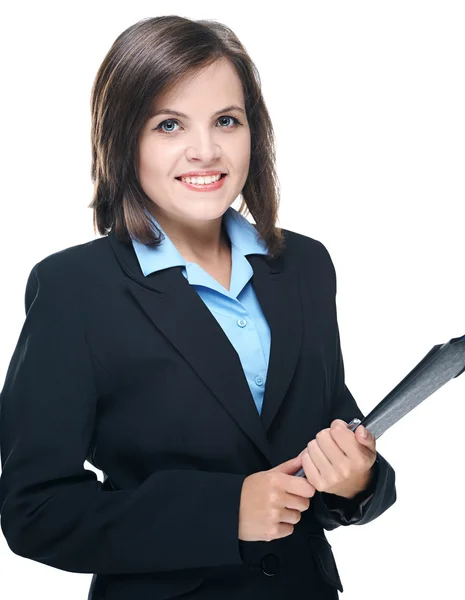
x: 212, y: 86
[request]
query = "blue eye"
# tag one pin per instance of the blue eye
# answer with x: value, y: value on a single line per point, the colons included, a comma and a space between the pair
x: 236, y: 122
x: 174, y: 121
x: 163, y: 123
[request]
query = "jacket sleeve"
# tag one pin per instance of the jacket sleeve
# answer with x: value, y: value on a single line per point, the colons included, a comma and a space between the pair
x: 55, y: 511
x: 332, y: 510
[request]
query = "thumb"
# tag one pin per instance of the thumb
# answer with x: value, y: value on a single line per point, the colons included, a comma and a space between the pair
x: 365, y: 437
x: 290, y: 466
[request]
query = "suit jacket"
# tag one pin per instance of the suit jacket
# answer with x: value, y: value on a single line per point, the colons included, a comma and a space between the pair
x: 134, y: 375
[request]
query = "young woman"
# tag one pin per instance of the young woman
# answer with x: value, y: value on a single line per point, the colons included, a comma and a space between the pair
x: 191, y: 356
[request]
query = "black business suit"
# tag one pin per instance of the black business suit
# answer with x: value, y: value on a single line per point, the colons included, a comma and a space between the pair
x: 134, y: 374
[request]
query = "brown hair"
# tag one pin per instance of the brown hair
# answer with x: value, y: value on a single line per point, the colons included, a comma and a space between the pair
x: 146, y: 60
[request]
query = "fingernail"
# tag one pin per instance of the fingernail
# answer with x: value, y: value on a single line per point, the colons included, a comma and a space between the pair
x: 364, y: 432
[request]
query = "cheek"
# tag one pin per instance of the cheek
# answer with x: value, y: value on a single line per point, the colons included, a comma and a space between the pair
x: 246, y: 157
x: 154, y: 161
x: 246, y: 144
x: 240, y: 152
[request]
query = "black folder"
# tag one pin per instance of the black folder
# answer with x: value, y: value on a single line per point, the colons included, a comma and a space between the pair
x: 441, y: 364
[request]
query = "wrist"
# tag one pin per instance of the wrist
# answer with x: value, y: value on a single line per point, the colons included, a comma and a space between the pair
x: 362, y: 485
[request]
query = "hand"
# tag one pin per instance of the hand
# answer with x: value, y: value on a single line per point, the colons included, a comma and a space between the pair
x: 339, y: 461
x: 272, y: 502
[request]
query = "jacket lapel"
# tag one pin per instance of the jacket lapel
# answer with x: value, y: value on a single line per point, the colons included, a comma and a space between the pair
x: 175, y: 309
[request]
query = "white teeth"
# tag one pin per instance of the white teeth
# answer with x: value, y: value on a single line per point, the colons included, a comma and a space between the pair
x: 201, y: 180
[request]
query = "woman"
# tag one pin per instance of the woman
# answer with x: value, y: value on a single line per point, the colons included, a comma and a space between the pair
x: 192, y: 357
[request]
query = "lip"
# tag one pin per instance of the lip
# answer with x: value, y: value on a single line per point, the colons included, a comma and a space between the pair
x: 201, y: 173
x: 208, y: 187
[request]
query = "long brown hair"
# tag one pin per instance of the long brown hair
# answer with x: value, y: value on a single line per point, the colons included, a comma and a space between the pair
x: 146, y: 60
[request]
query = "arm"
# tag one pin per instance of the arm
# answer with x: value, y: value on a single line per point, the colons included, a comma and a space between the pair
x: 56, y: 512
x: 331, y: 510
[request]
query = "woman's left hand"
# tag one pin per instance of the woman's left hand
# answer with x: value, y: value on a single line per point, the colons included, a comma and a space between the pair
x: 339, y: 461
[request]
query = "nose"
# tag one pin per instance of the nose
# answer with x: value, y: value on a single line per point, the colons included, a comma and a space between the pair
x: 203, y: 147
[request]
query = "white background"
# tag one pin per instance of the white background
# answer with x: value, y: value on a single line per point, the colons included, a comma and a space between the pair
x: 367, y: 100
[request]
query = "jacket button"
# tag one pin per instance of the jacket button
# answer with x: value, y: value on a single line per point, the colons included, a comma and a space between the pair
x: 270, y: 564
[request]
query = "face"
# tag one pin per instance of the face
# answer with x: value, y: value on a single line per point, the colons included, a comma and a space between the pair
x: 205, y: 137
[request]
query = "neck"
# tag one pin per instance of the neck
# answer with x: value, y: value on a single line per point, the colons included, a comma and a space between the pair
x: 208, y: 244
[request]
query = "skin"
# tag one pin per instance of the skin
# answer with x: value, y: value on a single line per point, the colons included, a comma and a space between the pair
x: 339, y: 461
x: 192, y: 220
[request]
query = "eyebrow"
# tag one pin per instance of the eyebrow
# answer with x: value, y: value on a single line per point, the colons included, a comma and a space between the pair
x: 169, y: 111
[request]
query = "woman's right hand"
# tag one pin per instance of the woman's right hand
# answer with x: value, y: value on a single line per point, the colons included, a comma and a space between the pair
x: 272, y: 502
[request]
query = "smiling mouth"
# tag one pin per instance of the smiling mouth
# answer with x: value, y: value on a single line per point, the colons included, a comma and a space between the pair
x: 223, y: 175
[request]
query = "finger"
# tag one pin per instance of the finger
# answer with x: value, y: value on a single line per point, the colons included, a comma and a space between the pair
x: 345, y: 439
x: 296, y: 502
x: 357, y: 452
x: 311, y: 472
x: 325, y: 469
x: 330, y: 449
x: 369, y: 441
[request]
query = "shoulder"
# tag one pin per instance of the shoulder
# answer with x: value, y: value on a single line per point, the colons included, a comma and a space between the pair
x: 306, y: 252
x: 300, y: 242
x: 74, y: 259
x: 62, y: 274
